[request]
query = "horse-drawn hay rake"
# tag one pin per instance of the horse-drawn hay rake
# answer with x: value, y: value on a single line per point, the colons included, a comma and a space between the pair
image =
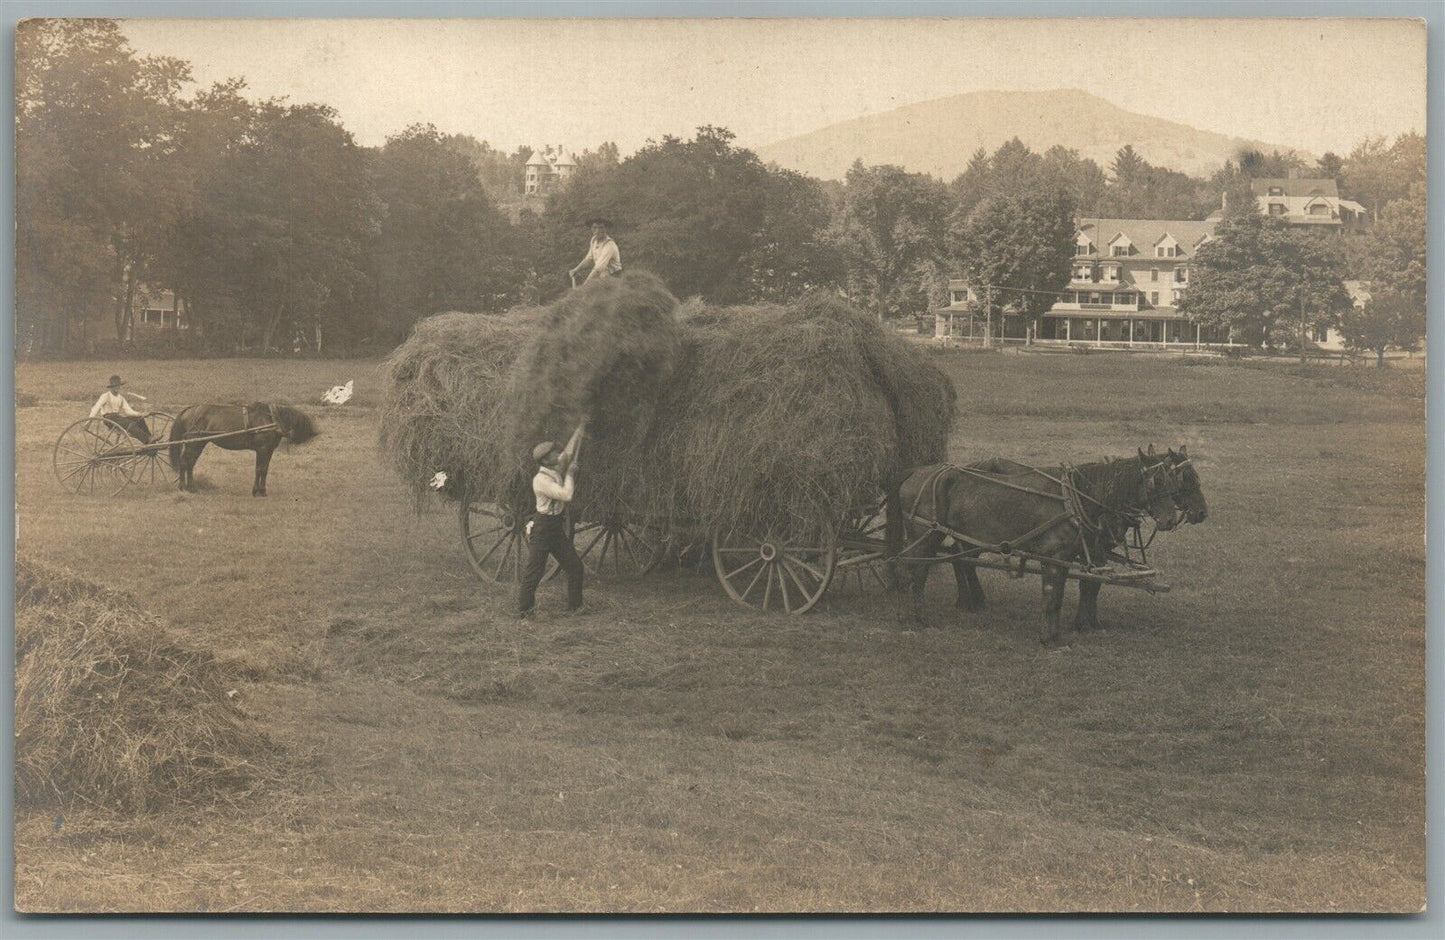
x: 105, y: 455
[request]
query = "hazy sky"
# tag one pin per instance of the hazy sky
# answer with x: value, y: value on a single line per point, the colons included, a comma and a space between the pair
x: 1312, y: 84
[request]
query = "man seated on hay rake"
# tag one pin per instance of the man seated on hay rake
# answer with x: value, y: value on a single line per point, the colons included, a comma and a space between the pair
x: 554, y: 486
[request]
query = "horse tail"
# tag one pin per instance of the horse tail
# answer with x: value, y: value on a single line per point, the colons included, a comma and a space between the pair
x: 294, y: 424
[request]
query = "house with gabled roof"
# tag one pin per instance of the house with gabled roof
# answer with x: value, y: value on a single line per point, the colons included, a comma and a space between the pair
x: 546, y: 169
x: 1306, y: 202
x: 1127, y: 278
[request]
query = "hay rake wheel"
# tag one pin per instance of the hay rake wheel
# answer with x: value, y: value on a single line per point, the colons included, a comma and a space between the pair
x: 94, y: 456
x: 775, y: 571
x: 152, y: 464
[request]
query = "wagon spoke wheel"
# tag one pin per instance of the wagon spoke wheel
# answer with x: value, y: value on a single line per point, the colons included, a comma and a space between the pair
x: 865, y: 534
x: 494, y: 537
x: 93, y: 456
x: 774, y: 572
x: 619, y: 548
x: 152, y: 465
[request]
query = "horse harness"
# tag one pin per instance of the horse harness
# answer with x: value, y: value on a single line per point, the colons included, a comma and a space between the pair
x: 1073, y: 499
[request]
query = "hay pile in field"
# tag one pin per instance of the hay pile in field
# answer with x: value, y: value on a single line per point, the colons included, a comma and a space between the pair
x: 114, y: 712
x: 739, y: 417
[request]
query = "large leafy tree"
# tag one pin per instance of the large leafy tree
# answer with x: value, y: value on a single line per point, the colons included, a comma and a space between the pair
x: 443, y: 244
x: 891, y: 230
x: 1014, y: 167
x: 701, y: 213
x: 1376, y: 173
x: 94, y: 148
x: 1259, y: 278
x: 1395, y: 265
x: 1018, y: 245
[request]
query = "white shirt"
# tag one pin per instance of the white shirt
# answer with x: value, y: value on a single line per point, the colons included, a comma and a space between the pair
x: 553, y: 493
x: 111, y: 402
x: 606, y: 258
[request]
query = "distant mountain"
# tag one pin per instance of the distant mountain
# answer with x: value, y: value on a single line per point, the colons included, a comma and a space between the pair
x: 939, y: 136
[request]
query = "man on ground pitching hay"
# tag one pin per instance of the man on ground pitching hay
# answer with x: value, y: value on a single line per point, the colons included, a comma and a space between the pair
x: 554, y: 486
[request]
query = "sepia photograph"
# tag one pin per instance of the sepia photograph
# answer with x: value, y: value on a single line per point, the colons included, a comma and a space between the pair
x: 673, y: 466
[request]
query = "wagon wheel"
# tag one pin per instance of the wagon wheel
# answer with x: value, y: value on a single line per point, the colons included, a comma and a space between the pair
x: 93, y: 456
x: 619, y: 548
x: 774, y: 571
x: 495, y: 539
x: 864, y: 534
x: 153, y: 464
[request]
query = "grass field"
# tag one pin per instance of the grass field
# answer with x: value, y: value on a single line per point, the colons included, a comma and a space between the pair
x: 1252, y: 741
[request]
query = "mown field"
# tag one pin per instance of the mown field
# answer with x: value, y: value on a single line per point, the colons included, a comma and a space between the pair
x: 1251, y: 741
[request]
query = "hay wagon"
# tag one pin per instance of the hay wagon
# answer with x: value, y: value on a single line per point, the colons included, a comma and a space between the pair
x: 788, y: 569
x: 101, y: 456
x: 747, y: 437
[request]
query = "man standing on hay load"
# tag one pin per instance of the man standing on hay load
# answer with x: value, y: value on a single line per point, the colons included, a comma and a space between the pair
x: 602, y: 253
x: 554, y: 486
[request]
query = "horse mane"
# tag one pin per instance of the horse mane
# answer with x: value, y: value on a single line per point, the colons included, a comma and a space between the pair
x: 1114, y: 482
x: 294, y: 424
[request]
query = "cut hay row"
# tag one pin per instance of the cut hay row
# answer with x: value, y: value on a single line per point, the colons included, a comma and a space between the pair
x: 115, y: 713
x: 747, y: 418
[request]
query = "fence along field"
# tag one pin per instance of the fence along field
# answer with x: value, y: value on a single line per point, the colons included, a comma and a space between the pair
x: 1251, y: 741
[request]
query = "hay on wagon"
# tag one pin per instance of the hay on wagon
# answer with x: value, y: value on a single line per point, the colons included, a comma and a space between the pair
x: 735, y: 418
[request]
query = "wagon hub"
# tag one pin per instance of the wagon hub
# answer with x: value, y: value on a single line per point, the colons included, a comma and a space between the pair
x: 769, y: 551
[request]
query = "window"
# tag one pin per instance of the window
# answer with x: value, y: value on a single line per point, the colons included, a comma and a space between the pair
x: 1120, y: 251
x: 1181, y: 275
x: 1276, y: 208
x: 1153, y: 298
x: 1083, y: 272
x: 1178, y: 296
x: 1111, y: 273
x: 1094, y: 298
x: 1319, y: 208
x: 1153, y: 274
x: 1083, y: 248
x: 1166, y: 251
x: 1276, y: 191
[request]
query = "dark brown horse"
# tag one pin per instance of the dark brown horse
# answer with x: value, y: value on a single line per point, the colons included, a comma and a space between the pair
x: 258, y: 426
x: 1061, y: 514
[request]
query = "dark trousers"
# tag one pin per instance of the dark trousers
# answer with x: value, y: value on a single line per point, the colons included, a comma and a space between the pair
x: 550, y: 536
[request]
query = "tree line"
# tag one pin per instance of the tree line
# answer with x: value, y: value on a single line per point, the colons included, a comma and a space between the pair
x: 277, y: 231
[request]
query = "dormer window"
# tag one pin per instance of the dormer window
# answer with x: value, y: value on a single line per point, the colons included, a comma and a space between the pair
x: 1277, y: 208
x: 1082, y: 245
x: 1121, y: 247
x: 1166, y: 251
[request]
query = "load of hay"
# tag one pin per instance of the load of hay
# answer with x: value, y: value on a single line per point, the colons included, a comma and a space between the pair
x: 114, y: 712
x: 699, y: 417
